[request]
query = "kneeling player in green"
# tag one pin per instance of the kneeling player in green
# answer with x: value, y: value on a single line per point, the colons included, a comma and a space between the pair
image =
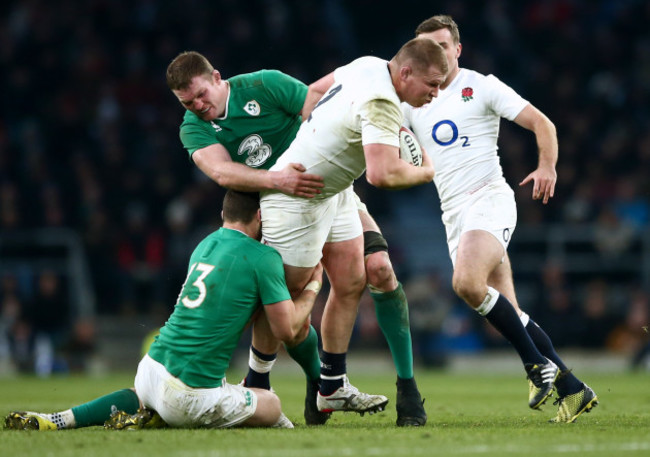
x: 231, y: 278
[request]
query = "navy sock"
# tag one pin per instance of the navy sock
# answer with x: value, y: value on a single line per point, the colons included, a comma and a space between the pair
x: 566, y: 383
x: 259, y: 374
x: 505, y: 319
x: 544, y: 343
x: 332, y: 372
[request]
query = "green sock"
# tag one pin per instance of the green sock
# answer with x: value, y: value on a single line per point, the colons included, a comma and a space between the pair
x: 99, y: 410
x: 306, y: 354
x: 393, y: 318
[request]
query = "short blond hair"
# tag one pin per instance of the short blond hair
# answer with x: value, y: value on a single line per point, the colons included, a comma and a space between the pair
x: 421, y: 54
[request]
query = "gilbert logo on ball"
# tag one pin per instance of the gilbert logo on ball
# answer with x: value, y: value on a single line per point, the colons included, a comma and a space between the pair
x: 409, y: 147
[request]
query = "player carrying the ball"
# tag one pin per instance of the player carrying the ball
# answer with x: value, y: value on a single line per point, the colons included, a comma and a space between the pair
x: 353, y: 128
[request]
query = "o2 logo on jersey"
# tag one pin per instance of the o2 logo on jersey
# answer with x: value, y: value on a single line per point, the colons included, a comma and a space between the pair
x: 256, y: 150
x: 445, y: 133
x: 252, y: 108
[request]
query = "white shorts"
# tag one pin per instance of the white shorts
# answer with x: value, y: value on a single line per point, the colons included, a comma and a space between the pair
x: 361, y: 206
x: 492, y: 209
x: 299, y: 228
x: 182, y: 406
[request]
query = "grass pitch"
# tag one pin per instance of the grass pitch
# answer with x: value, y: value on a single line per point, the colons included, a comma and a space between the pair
x: 484, y: 415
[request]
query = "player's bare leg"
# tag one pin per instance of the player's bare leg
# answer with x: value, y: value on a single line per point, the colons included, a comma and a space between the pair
x: 501, y: 279
x: 268, y: 411
x: 391, y: 308
x: 479, y: 254
x: 344, y: 264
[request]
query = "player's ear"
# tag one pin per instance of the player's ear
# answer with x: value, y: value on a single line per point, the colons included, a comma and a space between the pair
x: 216, y: 76
x: 459, y: 49
x: 405, y: 71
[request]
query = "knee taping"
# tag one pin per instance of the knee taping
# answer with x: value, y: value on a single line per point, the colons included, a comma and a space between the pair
x: 374, y: 242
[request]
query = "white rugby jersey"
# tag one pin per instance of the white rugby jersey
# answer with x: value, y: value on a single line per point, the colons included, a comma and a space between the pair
x: 360, y: 108
x: 459, y: 130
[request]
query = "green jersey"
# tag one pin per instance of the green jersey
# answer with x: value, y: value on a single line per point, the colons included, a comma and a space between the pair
x: 230, y: 276
x: 260, y: 122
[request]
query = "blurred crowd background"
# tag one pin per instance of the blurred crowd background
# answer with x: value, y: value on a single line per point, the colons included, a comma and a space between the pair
x: 100, y: 206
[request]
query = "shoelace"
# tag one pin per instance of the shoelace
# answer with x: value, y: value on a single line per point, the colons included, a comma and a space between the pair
x: 347, y: 385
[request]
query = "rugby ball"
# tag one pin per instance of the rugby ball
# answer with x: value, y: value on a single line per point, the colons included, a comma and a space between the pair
x: 409, y: 148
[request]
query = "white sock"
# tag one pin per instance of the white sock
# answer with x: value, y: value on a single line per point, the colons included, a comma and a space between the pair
x: 259, y: 365
x: 525, y: 318
x: 488, y: 302
x: 64, y: 419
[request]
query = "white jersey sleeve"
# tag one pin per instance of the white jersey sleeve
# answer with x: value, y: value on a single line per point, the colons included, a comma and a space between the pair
x: 459, y: 130
x: 360, y: 108
x: 380, y: 119
x: 406, y: 115
x: 504, y: 101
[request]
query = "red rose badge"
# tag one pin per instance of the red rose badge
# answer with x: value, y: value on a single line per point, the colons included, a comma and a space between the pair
x: 467, y: 94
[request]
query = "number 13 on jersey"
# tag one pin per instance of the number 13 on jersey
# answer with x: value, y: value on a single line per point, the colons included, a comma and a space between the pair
x: 199, y: 283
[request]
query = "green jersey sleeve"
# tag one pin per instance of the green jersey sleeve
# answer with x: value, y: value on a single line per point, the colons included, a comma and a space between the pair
x: 270, y: 278
x: 196, y: 134
x: 288, y: 92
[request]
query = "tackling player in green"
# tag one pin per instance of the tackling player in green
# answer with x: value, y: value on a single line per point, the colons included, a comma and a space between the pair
x: 231, y: 278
